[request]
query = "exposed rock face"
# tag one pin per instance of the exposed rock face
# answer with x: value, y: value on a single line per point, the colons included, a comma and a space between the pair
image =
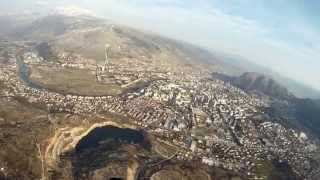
x: 66, y: 139
x: 132, y: 170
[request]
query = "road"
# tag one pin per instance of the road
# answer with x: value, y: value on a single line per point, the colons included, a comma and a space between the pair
x: 151, y: 164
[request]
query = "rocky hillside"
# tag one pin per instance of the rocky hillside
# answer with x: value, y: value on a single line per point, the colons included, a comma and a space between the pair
x: 307, y: 112
x: 252, y: 81
x: 257, y: 83
x: 49, y: 27
x: 284, y: 107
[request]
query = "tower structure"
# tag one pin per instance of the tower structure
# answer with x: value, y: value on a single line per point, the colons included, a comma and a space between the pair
x: 107, y: 61
x: 103, y: 68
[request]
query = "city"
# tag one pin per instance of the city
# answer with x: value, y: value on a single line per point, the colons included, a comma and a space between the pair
x: 211, y: 121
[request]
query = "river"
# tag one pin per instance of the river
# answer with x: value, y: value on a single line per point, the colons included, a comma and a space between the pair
x: 24, y: 73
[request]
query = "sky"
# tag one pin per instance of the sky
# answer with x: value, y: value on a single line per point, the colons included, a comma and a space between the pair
x: 283, y: 35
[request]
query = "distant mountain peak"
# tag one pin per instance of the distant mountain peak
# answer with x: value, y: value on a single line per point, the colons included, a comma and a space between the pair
x: 252, y: 81
x: 258, y: 83
x: 73, y: 11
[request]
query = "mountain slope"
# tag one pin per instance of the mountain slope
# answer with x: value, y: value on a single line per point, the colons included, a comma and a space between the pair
x: 257, y: 83
x: 307, y: 111
x: 49, y: 27
x: 88, y: 36
x: 244, y: 65
x: 10, y: 23
x: 285, y: 108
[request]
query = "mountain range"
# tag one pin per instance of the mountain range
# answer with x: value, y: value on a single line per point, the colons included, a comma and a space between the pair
x: 303, y: 113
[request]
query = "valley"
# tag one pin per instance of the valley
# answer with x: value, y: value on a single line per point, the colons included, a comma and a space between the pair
x: 145, y: 107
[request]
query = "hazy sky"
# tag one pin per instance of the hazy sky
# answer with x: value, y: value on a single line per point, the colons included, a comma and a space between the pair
x: 283, y: 35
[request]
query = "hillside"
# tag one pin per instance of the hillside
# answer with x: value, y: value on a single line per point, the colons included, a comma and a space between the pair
x: 307, y: 112
x: 49, y: 27
x: 285, y: 108
x: 257, y: 83
x: 79, y: 74
x: 241, y: 65
x: 87, y: 36
x: 10, y: 23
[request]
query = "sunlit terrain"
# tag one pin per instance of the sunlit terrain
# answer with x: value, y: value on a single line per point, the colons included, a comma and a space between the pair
x: 86, y: 97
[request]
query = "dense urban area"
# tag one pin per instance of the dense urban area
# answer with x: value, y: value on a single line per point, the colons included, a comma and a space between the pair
x: 210, y: 120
